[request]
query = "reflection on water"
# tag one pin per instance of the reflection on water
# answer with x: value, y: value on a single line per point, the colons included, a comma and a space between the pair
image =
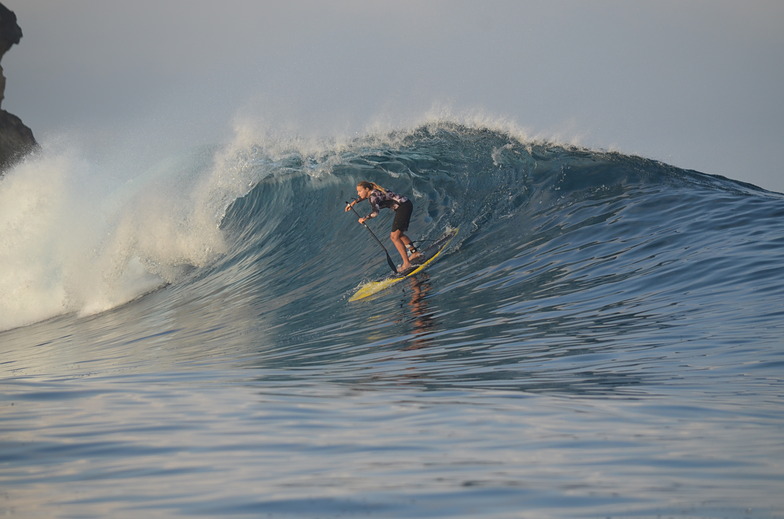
x: 202, y: 444
x: 422, y: 319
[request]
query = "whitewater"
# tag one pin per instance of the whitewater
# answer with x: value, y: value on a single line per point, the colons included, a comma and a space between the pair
x: 603, y: 337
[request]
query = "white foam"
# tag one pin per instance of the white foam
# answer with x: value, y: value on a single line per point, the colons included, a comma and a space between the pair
x: 76, y: 237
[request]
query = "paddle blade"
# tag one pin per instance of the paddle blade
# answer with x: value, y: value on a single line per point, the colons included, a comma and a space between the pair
x: 391, y: 264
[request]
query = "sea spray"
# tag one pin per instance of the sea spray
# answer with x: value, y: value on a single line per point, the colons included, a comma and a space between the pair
x: 79, y: 239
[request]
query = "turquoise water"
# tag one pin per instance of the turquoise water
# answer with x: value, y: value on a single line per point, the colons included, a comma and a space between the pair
x: 602, y: 339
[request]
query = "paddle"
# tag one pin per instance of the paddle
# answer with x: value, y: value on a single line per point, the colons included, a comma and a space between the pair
x: 389, y: 260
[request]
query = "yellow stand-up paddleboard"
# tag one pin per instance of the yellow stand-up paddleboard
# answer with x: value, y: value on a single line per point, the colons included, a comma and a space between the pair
x: 429, y: 255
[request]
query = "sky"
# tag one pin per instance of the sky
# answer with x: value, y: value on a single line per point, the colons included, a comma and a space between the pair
x: 692, y: 83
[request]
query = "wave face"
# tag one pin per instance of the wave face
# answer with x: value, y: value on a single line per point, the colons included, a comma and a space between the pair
x: 575, y: 274
x: 569, y: 243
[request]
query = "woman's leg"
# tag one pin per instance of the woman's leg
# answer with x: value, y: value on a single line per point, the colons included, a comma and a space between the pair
x: 397, y: 240
x: 398, y: 237
x: 410, y: 245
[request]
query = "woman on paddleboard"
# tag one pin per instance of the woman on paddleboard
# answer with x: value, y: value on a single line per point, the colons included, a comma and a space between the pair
x: 381, y: 198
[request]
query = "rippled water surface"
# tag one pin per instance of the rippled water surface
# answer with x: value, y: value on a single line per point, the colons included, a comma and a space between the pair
x: 602, y: 339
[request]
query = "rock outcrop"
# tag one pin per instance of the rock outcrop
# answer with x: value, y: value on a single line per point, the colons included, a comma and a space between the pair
x: 16, y: 139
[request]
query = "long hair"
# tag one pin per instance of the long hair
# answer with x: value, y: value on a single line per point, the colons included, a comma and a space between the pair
x: 371, y: 185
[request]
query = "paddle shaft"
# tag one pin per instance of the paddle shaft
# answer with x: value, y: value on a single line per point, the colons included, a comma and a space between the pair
x: 389, y: 260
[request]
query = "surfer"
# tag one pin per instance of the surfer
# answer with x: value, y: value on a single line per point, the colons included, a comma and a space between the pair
x: 381, y: 198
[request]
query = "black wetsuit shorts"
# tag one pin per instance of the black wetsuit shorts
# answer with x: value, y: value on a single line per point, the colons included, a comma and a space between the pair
x: 403, y: 216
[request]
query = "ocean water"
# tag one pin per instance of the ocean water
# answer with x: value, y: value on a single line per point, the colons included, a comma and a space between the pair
x: 603, y: 338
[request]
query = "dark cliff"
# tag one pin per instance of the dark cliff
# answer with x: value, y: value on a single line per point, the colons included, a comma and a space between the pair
x: 16, y: 139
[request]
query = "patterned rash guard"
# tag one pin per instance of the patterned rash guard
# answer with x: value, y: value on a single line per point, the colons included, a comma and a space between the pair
x: 384, y: 200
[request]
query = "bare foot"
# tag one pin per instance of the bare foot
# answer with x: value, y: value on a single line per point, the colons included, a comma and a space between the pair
x: 415, y: 256
x: 404, y: 267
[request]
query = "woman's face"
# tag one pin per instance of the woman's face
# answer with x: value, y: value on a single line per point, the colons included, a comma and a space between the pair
x: 363, y: 192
